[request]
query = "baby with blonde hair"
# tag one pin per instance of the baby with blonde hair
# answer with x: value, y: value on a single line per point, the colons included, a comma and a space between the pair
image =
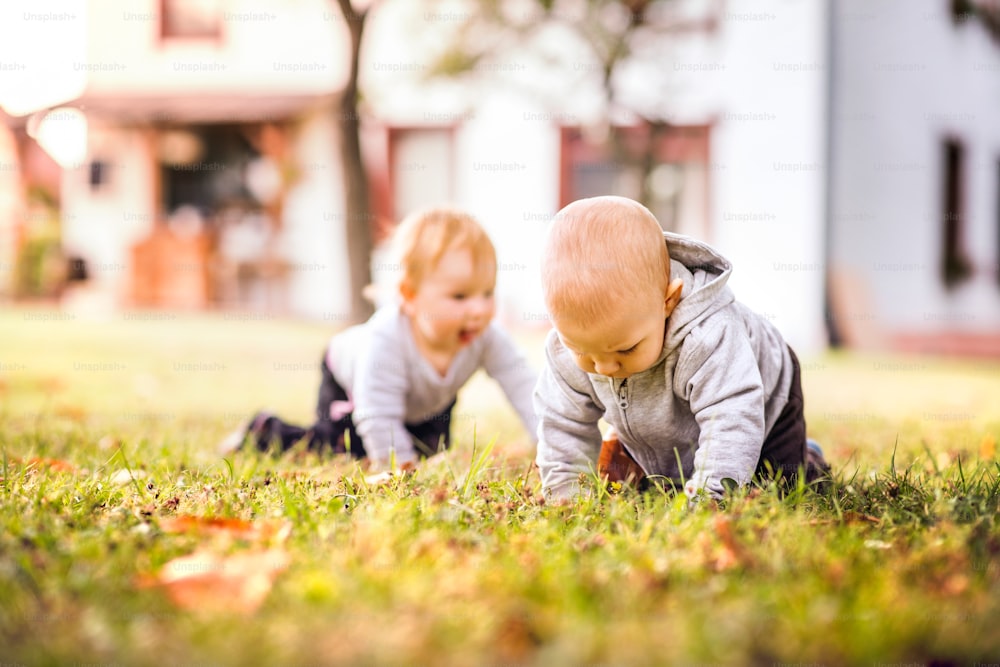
x: 647, y: 335
x: 389, y: 385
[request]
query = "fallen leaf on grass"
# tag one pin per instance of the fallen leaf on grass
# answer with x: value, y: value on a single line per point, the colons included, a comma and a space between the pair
x: 57, y: 465
x: 955, y: 584
x: 516, y: 639
x: 732, y: 553
x: 206, y: 581
x: 988, y: 447
x: 252, y: 531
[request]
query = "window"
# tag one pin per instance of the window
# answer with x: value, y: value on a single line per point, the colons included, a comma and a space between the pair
x: 210, y: 174
x: 955, y: 265
x: 98, y: 175
x: 986, y: 12
x: 197, y: 19
x: 676, y: 182
x: 961, y: 10
x: 421, y: 168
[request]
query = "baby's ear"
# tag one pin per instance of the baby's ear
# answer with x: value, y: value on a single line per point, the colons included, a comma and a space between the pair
x: 406, y: 291
x: 673, y: 296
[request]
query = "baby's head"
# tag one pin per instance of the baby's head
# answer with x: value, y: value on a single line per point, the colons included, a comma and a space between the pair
x: 448, y: 270
x: 606, y: 283
x: 425, y: 236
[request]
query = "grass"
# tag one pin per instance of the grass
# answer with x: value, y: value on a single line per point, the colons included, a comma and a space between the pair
x: 462, y: 563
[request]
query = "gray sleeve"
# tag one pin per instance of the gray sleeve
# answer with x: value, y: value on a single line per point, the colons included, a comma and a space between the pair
x: 504, y: 362
x: 569, y: 439
x: 380, y: 389
x: 718, y: 373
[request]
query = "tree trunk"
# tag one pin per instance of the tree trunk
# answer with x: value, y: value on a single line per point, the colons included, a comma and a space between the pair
x: 357, y: 209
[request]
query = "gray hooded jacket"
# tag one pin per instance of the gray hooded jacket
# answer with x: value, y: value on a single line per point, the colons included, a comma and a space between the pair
x: 700, y: 414
x: 390, y: 384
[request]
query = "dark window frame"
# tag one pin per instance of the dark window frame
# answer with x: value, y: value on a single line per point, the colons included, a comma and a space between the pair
x: 956, y: 268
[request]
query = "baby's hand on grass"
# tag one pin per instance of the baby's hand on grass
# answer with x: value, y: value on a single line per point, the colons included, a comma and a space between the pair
x: 382, y: 471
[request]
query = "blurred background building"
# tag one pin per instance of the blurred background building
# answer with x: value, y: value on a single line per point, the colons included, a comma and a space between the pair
x: 845, y: 155
x: 205, y: 169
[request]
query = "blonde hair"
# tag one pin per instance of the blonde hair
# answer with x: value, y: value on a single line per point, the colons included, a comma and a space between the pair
x: 423, y: 237
x: 601, y: 252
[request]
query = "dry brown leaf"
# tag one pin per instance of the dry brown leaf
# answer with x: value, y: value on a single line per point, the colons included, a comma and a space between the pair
x: 732, y: 554
x: 209, y: 582
x: 956, y: 584
x: 252, y: 531
x: 516, y: 640
x: 57, y: 465
x: 988, y: 447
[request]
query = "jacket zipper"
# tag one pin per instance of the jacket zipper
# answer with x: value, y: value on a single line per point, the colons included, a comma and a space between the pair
x: 623, y: 395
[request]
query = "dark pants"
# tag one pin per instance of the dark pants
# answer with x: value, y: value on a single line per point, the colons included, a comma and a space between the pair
x: 266, y: 430
x: 784, y: 450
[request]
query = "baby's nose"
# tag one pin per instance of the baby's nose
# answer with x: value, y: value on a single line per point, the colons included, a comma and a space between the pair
x: 478, y: 307
x: 607, y: 367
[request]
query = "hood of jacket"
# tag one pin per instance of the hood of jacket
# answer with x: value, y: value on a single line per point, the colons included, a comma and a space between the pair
x: 704, y: 273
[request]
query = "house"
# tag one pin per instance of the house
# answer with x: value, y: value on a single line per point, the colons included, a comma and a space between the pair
x: 849, y: 170
x: 739, y: 160
x: 844, y: 155
x: 914, y: 182
x: 207, y: 172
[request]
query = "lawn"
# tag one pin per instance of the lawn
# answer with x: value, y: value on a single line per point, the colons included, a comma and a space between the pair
x: 107, y: 435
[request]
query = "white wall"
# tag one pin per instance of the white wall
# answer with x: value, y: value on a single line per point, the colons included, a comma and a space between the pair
x: 898, y: 93
x: 313, y: 228
x: 764, y: 83
x: 508, y: 176
x: 265, y: 45
x: 102, y: 225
